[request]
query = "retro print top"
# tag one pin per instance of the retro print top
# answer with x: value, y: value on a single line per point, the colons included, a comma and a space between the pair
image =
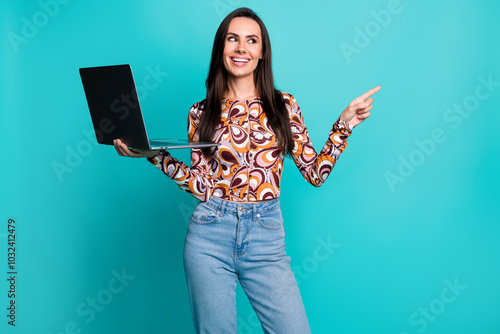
x: 247, y: 165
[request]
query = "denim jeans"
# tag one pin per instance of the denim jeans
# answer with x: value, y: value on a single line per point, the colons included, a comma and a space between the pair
x: 230, y: 241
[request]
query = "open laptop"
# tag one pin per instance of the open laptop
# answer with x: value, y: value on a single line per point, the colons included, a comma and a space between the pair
x: 116, y: 113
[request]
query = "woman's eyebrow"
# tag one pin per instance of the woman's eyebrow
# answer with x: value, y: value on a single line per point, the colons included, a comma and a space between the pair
x: 248, y: 36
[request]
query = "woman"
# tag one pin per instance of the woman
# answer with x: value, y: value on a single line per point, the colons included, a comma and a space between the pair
x: 236, y: 232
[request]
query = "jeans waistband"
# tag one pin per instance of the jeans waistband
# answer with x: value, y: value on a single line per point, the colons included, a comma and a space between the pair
x: 223, y: 205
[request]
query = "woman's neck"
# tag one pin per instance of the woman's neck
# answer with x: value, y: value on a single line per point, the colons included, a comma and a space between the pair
x: 241, y: 88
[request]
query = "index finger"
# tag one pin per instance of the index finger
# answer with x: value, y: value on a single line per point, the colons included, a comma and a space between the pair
x: 370, y: 93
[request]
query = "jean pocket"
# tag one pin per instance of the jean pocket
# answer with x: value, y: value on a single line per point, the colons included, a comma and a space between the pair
x: 204, y: 215
x: 272, y: 220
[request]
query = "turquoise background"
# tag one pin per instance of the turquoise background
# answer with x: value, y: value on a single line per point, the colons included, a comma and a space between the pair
x: 395, y: 247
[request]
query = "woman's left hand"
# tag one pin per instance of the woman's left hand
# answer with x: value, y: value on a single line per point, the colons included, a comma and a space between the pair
x: 359, y: 109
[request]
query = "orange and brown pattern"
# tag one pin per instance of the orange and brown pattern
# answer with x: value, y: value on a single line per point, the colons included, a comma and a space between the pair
x: 247, y: 165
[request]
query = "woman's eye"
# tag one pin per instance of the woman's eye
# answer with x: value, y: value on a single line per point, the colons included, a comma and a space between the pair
x: 231, y: 39
x: 252, y: 41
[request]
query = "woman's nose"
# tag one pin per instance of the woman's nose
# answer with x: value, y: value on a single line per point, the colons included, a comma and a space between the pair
x: 240, y: 47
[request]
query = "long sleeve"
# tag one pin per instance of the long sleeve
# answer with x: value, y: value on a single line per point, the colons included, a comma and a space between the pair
x: 197, y: 179
x: 248, y: 163
x: 314, y: 167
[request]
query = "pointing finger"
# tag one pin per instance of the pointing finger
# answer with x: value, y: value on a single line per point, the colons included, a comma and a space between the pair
x: 370, y: 93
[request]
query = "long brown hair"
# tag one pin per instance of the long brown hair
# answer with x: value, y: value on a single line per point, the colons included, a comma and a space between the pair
x: 272, y: 101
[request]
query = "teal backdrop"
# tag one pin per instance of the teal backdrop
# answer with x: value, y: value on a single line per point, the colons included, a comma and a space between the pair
x: 402, y: 239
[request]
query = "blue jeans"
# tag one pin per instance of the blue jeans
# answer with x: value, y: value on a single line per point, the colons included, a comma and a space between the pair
x: 229, y: 241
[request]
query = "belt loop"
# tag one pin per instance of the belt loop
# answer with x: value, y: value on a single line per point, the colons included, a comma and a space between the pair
x: 254, y: 211
x: 221, y: 207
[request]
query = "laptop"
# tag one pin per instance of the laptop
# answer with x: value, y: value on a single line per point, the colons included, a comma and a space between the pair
x: 116, y: 112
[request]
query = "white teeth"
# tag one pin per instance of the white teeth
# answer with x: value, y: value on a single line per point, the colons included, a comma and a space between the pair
x: 240, y: 60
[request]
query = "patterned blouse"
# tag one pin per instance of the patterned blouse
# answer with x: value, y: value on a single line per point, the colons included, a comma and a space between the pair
x: 247, y: 165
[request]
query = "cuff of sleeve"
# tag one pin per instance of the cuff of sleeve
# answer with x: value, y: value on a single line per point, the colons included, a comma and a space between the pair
x: 343, y: 127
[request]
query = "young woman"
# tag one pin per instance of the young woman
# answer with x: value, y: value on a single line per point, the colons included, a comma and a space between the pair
x: 236, y: 232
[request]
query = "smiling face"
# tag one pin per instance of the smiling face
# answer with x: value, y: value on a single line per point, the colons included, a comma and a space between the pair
x: 243, y: 48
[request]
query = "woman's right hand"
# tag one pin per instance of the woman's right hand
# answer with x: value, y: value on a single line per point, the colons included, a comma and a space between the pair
x: 124, y: 151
